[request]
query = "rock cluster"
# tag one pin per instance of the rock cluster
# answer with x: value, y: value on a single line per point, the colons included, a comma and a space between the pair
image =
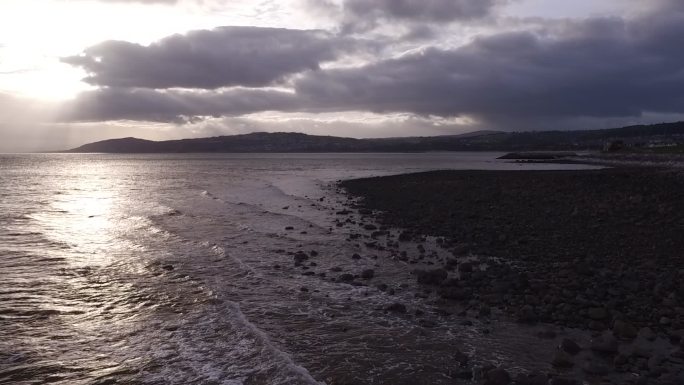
x: 594, y: 250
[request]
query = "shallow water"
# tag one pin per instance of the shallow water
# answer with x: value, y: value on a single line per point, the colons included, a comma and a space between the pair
x: 173, y: 269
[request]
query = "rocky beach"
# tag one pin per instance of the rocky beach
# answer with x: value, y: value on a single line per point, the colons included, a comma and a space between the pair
x: 592, y: 253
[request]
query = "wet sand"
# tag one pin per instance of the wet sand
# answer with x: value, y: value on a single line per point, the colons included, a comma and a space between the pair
x: 597, y: 250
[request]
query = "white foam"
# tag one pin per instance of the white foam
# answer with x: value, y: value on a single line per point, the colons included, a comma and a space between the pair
x: 265, y: 340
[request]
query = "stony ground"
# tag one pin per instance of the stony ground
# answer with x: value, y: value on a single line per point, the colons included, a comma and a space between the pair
x: 598, y: 250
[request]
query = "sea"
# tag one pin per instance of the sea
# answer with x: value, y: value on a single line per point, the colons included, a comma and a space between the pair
x: 179, y: 269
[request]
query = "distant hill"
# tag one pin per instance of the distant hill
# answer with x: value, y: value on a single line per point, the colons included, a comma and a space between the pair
x: 638, y: 136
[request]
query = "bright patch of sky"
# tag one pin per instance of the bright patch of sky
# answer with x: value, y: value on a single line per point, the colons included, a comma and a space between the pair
x: 35, y: 34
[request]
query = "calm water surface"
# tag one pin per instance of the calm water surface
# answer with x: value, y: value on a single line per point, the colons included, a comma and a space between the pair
x: 174, y: 269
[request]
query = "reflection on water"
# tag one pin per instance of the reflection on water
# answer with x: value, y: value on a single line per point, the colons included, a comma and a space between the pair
x: 174, y: 269
x: 82, y: 217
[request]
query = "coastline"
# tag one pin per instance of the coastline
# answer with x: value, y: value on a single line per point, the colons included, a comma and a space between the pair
x: 594, y: 250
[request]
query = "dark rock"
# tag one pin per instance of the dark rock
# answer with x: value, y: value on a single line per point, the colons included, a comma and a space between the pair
x: 431, y: 277
x: 570, y: 346
x: 619, y: 360
x: 598, y: 313
x: 531, y: 379
x: 346, y: 277
x: 368, y: 274
x: 405, y: 236
x: 497, y: 376
x: 527, y: 314
x: 547, y: 334
x: 647, y: 334
x: 461, y: 358
x: 604, y: 343
x: 289, y: 228
x: 596, y: 368
x: 654, y: 363
x: 300, y: 257
x: 624, y: 330
x: 427, y: 323
x: 562, y: 360
x: 396, y: 308
x: 465, y: 267
x: 370, y: 227
x: 168, y: 267
x: 455, y: 293
x: 671, y: 379
x: 596, y: 325
x: 356, y: 256
x: 563, y: 381
x: 463, y: 374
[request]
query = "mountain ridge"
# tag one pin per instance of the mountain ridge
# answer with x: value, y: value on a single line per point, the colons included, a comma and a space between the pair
x: 637, y: 136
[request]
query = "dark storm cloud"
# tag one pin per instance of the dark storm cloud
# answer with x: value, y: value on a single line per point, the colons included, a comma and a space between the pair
x: 173, y: 106
x: 597, y: 68
x: 209, y: 59
x: 358, y: 16
x: 420, y: 10
x: 365, y: 15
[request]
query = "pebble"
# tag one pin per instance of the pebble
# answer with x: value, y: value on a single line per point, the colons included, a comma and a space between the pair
x: 596, y: 368
x: 562, y: 360
x: 569, y: 346
x: 396, y: 308
x: 346, y: 277
x: 624, y: 330
x: 497, y: 376
x: 605, y: 343
x: 647, y: 334
x: 431, y: 277
x: 368, y: 274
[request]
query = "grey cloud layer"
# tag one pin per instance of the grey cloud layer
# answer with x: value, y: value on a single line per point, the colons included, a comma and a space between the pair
x: 420, y: 10
x: 228, y: 56
x: 358, y: 16
x: 602, y: 67
x: 173, y: 105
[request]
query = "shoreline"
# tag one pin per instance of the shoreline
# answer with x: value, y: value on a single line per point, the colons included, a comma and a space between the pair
x: 595, y: 250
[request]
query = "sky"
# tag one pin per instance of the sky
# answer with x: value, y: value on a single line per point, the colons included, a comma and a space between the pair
x: 77, y: 71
